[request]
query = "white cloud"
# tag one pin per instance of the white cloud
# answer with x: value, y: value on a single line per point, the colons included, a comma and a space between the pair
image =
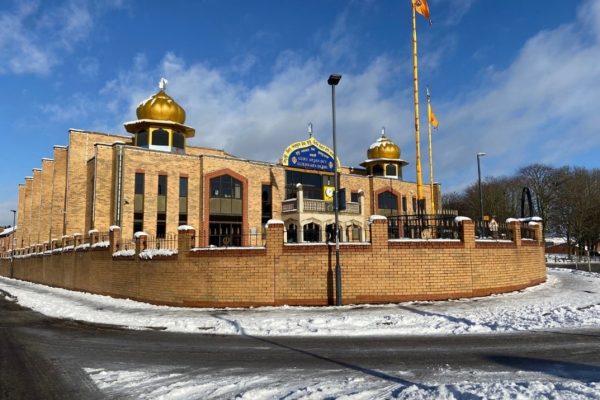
x: 35, y: 36
x: 540, y: 108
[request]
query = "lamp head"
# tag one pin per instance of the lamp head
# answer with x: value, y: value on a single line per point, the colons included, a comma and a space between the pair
x: 334, y: 79
x: 481, y: 154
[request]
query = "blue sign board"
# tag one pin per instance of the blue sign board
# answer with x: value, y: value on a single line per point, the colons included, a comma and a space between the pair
x: 311, y: 157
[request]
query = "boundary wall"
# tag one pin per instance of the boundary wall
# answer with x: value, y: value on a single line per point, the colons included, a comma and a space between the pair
x: 378, y: 271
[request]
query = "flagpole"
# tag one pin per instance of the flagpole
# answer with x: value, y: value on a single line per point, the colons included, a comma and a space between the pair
x: 420, y: 198
x: 433, y: 209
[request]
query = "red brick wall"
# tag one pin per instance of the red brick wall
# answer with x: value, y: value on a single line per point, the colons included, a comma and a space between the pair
x: 381, y: 271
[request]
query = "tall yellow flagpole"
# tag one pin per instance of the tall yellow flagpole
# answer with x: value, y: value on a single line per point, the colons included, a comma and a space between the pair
x: 420, y: 196
x: 432, y: 194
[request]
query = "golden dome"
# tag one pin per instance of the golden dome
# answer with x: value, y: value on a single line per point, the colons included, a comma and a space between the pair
x: 383, y: 148
x: 161, y: 107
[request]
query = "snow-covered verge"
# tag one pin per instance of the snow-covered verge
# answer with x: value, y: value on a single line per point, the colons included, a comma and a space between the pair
x: 569, y: 299
x: 172, y: 384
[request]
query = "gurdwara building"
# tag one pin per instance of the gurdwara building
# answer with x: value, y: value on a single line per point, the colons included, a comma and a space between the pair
x: 149, y: 179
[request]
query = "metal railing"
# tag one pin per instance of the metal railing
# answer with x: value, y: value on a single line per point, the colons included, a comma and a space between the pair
x: 502, y: 232
x: 423, y: 226
x: 165, y: 242
x: 250, y: 239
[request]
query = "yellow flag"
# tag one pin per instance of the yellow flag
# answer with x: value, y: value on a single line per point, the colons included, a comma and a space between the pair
x: 422, y: 8
x: 433, y: 119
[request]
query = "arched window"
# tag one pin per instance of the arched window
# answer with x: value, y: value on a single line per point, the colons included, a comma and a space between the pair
x: 387, y: 203
x: 391, y: 170
x: 160, y: 137
x: 142, y: 139
x: 377, y: 170
x: 292, y: 233
x: 312, y: 232
x: 178, y: 140
x: 225, y: 195
x: 225, y: 211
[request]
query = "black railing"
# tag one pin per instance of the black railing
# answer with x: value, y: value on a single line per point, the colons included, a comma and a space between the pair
x: 501, y: 231
x: 528, y: 232
x: 165, y: 242
x: 251, y: 239
x: 423, y: 226
x: 125, y: 245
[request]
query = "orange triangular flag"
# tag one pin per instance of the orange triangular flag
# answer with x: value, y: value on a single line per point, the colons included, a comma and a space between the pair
x: 433, y: 119
x: 422, y: 8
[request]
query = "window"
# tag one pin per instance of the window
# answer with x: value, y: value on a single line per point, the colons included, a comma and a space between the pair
x: 404, y: 205
x: 161, y: 207
x: 178, y: 140
x: 225, y: 212
x: 387, y: 203
x: 312, y: 184
x: 160, y: 137
x: 312, y: 232
x: 414, y: 204
x: 142, y: 139
x: 183, y: 200
x: 138, y: 203
x: 292, y: 233
x: 390, y: 170
x: 225, y: 196
x: 377, y: 170
x: 267, y: 205
x: 354, y: 197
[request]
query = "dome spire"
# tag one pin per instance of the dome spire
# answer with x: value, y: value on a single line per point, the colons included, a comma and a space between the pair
x: 162, y: 84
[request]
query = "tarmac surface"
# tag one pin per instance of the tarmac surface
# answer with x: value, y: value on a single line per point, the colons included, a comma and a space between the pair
x: 44, y: 358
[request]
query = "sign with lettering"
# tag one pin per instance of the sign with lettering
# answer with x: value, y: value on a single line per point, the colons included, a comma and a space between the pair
x: 309, y: 154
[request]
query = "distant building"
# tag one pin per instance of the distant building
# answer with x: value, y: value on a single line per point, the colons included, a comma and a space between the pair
x: 151, y: 180
x: 7, y: 235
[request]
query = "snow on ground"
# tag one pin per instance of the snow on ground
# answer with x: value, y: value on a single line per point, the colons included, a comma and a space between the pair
x: 229, y: 385
x: 569, y: 299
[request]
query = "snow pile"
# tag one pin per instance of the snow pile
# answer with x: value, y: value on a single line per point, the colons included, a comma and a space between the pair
x: 569, y: 299
x: 139, y: 234
x: 124, y: 253
x: 185, y: 228
x: 148, y: 254
x: 460, y: 219
x: 113, y: 228
x: 101, y: 245
x: 83, y: 246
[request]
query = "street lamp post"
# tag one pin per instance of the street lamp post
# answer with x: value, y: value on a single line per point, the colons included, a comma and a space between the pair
x: 333, y: 81
x: 12, y: 250
x: 479, y: 155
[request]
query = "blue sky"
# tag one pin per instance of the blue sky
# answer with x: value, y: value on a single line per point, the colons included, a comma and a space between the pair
x: 518, y: 80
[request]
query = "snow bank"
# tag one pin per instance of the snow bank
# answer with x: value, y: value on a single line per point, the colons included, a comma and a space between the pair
x: 148, y: 254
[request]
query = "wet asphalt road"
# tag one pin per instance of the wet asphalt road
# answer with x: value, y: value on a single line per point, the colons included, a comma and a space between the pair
x: 43, y: 358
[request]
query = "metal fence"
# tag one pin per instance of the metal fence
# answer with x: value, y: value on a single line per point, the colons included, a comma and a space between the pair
x: 250, y: 239
x: 165, y: 242
x: 423, y: 226
x: 501, y: 232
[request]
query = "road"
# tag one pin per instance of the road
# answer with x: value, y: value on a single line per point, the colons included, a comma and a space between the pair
x: 45, y: 358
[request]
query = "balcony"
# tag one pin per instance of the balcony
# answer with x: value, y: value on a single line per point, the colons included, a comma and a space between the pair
x: 317, y: 206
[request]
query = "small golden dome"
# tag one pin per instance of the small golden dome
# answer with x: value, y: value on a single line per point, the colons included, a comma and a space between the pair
x: 161, y: 107
x: 383, y: 148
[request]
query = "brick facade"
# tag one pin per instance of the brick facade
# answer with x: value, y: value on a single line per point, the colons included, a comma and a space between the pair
x: 378, y: 271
